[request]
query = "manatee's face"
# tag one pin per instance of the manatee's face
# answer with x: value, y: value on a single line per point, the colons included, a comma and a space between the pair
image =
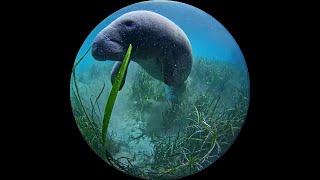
x: 113, y: 41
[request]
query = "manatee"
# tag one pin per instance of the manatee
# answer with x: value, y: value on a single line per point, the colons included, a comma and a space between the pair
x: 159, y: 46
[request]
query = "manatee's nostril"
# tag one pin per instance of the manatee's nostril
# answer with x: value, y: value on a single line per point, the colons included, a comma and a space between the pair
x: 94, y: 46
x: 97, y: 50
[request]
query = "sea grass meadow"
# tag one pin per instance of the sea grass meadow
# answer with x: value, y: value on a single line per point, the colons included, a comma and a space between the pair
x: 148, y: 137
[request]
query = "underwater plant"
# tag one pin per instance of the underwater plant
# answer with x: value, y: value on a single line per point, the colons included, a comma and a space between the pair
x: 88, y: 126
x: 114, y: 93
x: 186, y: 138
x: 183, y: 98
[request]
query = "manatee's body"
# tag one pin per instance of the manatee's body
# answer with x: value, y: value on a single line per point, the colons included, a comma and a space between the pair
x: 160, y: 47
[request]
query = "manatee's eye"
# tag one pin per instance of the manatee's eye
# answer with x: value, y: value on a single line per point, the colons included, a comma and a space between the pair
x: 128, y: 23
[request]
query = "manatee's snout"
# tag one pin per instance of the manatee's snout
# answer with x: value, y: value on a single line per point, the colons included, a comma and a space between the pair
x: 105, y: 47
x: 98, y: 47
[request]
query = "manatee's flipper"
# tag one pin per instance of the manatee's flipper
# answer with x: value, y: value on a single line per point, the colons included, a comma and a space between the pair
x: 114, y: 73
x: 170, y: 94
x: 174, y: 89
x: 174, y: 93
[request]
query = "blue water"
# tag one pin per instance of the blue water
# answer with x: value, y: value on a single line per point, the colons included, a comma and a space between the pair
x: 208, y: 38
x: 207, y: 35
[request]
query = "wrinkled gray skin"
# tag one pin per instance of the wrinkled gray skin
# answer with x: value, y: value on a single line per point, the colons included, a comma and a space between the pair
x: 159, y: 46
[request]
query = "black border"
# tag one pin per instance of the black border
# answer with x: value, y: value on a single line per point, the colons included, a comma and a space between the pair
x: 62, y: 149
